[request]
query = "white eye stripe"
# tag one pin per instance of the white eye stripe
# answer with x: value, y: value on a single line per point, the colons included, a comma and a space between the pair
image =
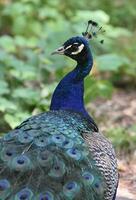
x: 80, y: 48
x: 68, y: 47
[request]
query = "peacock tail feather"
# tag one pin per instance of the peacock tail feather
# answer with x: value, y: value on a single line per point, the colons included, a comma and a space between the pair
x: 47, y: 158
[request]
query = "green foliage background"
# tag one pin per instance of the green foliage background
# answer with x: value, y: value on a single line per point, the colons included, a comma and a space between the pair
x: 31, y: 29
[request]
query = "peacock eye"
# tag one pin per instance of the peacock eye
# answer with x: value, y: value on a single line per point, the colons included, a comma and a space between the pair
x: 74, y: 47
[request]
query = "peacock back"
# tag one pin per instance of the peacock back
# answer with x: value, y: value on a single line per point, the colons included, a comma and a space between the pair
x: 46, y: 158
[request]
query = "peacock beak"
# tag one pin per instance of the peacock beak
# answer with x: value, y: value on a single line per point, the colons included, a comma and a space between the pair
x: 60, y: 51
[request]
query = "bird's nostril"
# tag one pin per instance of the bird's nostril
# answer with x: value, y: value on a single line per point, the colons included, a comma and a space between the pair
x: 60, y: 49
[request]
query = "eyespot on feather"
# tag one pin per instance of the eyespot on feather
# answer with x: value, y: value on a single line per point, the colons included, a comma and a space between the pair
x: 58, y: 169
x: 74, y: 153
x: 45, y: 158
x: 41, y: 141
x: 58, y: 139
x: 71, y: 189
x: 20, y: 163
x: 4, y: 185
x: 25, y: 138
x: 67, y: 144
x: 88, y: 178
x: 7, y: 153
x: 46, y: 196
x: 24, y: 194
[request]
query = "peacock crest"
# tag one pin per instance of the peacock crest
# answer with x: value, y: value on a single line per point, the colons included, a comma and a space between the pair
x: 93, y: 30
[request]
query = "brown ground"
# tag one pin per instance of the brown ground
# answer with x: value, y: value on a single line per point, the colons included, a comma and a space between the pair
x: 127, y: 185
x: 120, y: 110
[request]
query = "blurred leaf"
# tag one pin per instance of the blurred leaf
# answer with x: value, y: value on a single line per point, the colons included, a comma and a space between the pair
x: 48, y: 12
x: 28, y: 95
x: 24, y: 42
x: 99, y: 88
x: 7, y: 43
x: 121, y: 139
x: 6, y: 105
x: 99, y: 16
x: 110, y: 62
x: 4, y: 88
x: 117, y: 32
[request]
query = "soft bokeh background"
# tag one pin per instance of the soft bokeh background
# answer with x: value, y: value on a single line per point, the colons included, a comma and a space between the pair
x: 31, y: 29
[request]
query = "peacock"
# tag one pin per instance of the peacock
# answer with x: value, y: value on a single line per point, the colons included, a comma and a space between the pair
x: 60, y: 154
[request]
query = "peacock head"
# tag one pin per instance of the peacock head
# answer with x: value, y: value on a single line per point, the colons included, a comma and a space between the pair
x: 77, y: 47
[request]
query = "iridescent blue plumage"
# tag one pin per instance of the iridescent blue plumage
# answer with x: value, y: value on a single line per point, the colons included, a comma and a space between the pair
x: 59, y: 155
x: 69, y: 92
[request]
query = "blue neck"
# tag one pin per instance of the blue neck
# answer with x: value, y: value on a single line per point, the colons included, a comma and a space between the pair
x: 69, y: 94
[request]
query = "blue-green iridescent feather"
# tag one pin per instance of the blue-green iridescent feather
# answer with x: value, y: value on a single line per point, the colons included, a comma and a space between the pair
x: 46, y: 158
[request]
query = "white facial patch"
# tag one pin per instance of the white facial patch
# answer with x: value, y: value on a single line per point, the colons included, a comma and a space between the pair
x: 68, y: 47
x: 80, y: 48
